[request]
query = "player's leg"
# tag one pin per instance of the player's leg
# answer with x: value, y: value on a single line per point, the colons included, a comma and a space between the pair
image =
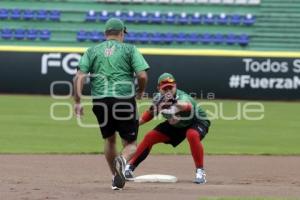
x: 151, y: 138
x: 102, y: 109
x: 194, y: 136
x: 110, y: 152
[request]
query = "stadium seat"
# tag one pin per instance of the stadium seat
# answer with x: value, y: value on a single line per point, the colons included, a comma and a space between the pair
x: 235, y: 19
x: 29, y: 14
x: 243, y: 40
x: 142, y: 17
x: 19, y: 34
x: 130, y: 17
x: 44, y: 34
x: 6, y: 34
x: 41, y: 15
x: 222, y: 19
x: 156, y: 38
x: 248, y: 20
x: 91, y: 16
x: 170, y: 18
x: 32, y: 34
x: 143, y: 37
x: 196, y: 18
x: 95, y: 36
x: 231, y: 39
x: 180, y: 38
x: 131, y: 37
x: 82, y: 36
x: 54, y: 15
x: 192, y: 38
x: 208, y: 18
x: 155, y: 18
x: 167, y: 38
x: 218, y: 38
x: 104, y: 16
x: 15, y: 14
x: 4, y: 14
x: 183, y: 18
x: 206, y: 38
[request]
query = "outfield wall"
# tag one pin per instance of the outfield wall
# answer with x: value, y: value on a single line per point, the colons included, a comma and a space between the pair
x: 204, y: 73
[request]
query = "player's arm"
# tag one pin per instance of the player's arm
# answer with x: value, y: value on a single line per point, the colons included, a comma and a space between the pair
x: 78, y: 85
x: 146, y: 117
x: 179, y: 106
x: 142, y: 78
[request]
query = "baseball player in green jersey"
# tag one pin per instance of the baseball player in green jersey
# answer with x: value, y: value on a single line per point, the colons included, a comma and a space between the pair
x: 184, y: 119
x: 111, y: 66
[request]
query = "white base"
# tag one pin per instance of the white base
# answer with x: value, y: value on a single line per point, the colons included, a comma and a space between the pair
x: 154, y: 178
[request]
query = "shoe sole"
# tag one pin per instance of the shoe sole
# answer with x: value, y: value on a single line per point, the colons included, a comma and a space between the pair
x: 119, y: 179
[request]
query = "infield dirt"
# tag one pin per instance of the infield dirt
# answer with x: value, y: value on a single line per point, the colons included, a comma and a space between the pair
x: 87, y: 177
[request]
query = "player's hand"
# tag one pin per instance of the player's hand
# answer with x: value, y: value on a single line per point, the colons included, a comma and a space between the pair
x: 78, y: 110
x: 170, y: 111
x: 139, y: 95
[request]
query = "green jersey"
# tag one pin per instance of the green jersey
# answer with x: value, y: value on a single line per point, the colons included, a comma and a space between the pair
x: 186, y: 118
x: 112, y: 65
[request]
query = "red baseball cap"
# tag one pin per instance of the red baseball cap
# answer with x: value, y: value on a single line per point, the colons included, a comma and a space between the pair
x: 165, y: 80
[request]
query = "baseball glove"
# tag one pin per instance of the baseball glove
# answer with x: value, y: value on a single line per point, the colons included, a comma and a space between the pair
x: 161, y: 102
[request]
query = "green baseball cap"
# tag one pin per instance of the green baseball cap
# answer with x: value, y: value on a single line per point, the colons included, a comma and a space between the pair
x: 166, y: 79
x: 115, y: 24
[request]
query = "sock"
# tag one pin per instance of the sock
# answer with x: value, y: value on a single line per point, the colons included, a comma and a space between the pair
x: 196, y: 147
x: 144, y: 148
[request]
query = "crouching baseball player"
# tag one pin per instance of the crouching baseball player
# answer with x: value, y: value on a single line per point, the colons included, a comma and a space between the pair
x: 184, y: 119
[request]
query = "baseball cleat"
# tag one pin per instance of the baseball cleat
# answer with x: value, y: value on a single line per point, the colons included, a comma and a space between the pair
x: 129, y: 174
x: 119, y: 179
x: 200, y: 176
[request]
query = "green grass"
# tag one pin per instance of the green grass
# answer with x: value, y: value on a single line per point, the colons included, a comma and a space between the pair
x: 26, y: 127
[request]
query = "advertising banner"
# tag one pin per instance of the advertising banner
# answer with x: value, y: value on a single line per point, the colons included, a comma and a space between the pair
x: 202, y: 76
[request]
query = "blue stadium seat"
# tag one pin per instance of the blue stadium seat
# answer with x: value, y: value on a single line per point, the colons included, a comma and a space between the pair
x: 104, y: 16
x: 222, y: 19
x: 183, y: 18
x: 130, y: 17
x: 28, y: 14
x: 170, y: 18
x: 15, y: 14
x: 32, y: 34
x: 82, y: 36
x: 209, y: 18
x: 180, y: 38
x: 143, y: 37
x: 192, y: 38
x: 41, y: 15
x: 155, y: 38
x: 142, y: 17
x: 167, y: 38
x: 206, y: 38
x: 231, y: 39
x: 95, y: 36
x: 91, y: 16
x: 218, y: 38
x: 196, y: 18
x: 243, y: 40
x: 6, y: 33
x: 54, y: 15
x: 131, y: 37
x: 155, y: 18
x: 248, y: 20
x: 44, y: 34
x: 4, y: 14
x: 235, y: 19
x: 20, y: 34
